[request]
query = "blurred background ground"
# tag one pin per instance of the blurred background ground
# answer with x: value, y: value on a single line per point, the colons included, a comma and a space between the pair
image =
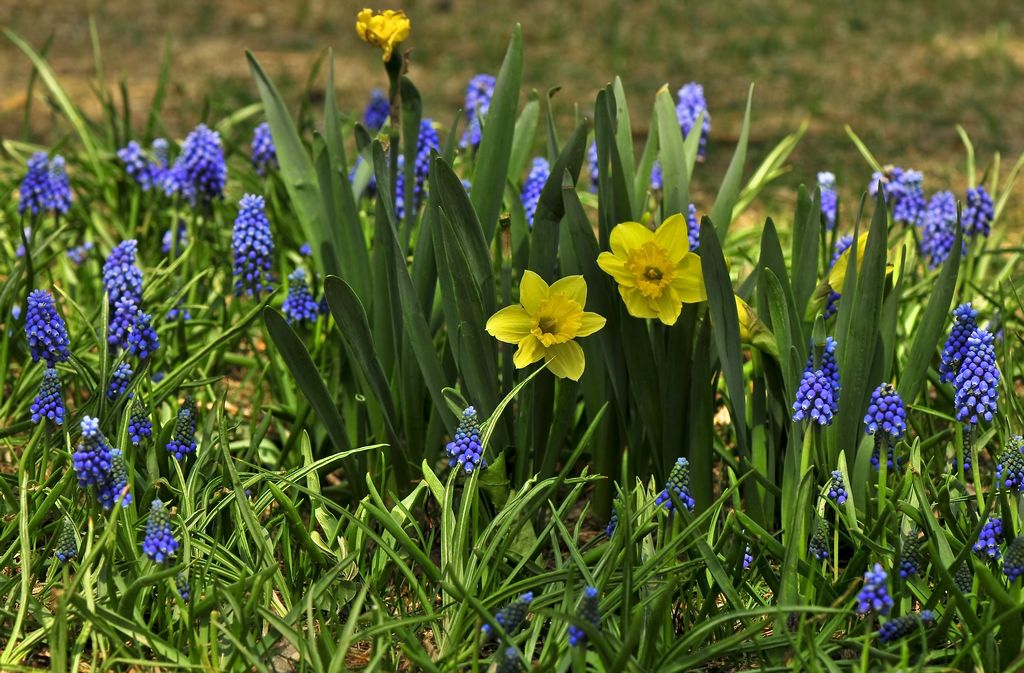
x: 902, y: 74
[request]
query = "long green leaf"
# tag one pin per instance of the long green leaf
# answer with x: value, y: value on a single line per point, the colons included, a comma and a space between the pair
x: 728, y: 193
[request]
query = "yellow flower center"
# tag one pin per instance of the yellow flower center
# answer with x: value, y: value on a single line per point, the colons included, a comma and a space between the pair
x: 557, y: 320
x: 651, y: 269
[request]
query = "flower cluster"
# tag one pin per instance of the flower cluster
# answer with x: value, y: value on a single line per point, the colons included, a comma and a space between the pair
x: 140, y: 168
x: 139, y: 425
x: 989, y: 538
x: 594, y: 171
x: 692, y: 227
x: 613, y: 523
x: 979, y: 212
x: 911, y: 561
x: 427, y: 142
x: 45, y: 186
x: 264, y: 155
x: 183, y: 587
x: 903, y: 190
x: 200, y: 172
x: 837, y: 489
x: 588, y: 612
x: 874, y: 595
x: 1010, y: 466
x: 691, y: 105
x: 510, y: 661
x: 47, y: 335
x: 377, y: 111
x: 67, y: 542
x: 540, y: 170
x: 142, y: 339
x: 818, y: 546
x: 183, y: 439
x: 478, y: 102
x: 939, y: 231
x: 80, y: 253
x: 977, y: 382
x: 159, y: 543
x: 511, y: 616
x: 92, y: 459
x: 748, y: 558
x: 886, y: 412
x: 300, y: 306
x: 121, y: 276
x: 253, y: 245
x: 49, y: 402
x: 1013, y: 561
x: 815, y: 399
x: 465, y: 449
x: 900, y: 627
x: 829, y: 198
x: 964, y: 577
x: 175, y: 239
x: 955, y: 350
x: 119, y: 381
x: 115, y: 488
x: 678, y: 485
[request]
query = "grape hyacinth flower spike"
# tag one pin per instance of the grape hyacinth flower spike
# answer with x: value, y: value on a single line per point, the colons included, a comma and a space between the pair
x: 977, y: 388
x: 837, y: 488
x: 692, y: 105
x: 678, y: 485
x: 427, y: 143
x: 978, y: 213
x: 139, y: 425
x: 1013, y: 561
x: 142, y: 339
x: 511, y: 616
x: 886, y: 421
x: 159, y: 543
x: 901, y: 627
x: 253, y: 246
x: 911, y: 561
x: 200, y: 169
x: 49, y: 402
x: 377, y: 111
x: 67, y: 542
x: 1010, y: 465
x: 121, y: 320
x: 748, y: 558
x: 539, y: 173
x: 300, y: 306
x: 829, y: 199
x: 613, y: 523
x: 175, y: 239
x: 588, y: 612
x: 965, y: 321
x: 34, y: 192
x: 92, y: 459
x: 137, y: 165
x: 264, y: 155
x: 181, y: 584
x: 938, y: 235
x: 874, y: 596
x: 991, y: 535
x: 183, y: 439
x: 593, y: 166
x: 119, y: 381
x: 465, y: 448
x: 692, y: 227
x: 115, y: 488
x: 121, y: 276
x: 818, y: 546
x: 60, y: 196
x: 510, y: 662
x: 816, y: 398
x: 47, y: 335
x: 80, y: 253
x: 478, y: 102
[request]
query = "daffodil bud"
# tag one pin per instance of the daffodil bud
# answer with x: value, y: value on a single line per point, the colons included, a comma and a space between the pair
x: 753, y: 331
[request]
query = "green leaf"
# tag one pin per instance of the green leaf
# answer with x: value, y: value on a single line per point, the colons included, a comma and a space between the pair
x: 522, y: 138
x: 624, y: 138
x: 493, y: 158
x: 805, y: 247
x: 675, y: 176
x: 728, y: 193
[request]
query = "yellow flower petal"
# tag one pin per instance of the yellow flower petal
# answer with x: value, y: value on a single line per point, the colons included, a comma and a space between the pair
x: 636, y: 303
x: 566, y: 360
x: 591, y: 323
x: 746, y: 318
x: 668, y: 307
x: 573, y: 287
x: 616, y: 268
x: 672, y: 236
x: 533, y: 291
x: 629, y: 236
x: 530, y: 350
x: 511, y: 324
x: 689, y: 281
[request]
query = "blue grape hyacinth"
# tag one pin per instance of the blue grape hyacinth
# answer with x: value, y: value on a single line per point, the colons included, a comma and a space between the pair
x: 182, y: 586
x: 979, y: 213
x: 911, y: 561
x: 987, y: 545
x: 121, y: 276
x: 49, y: 401
x: 904, y: 192
x: 183, y: 439
x: 886, y: 412
x: 143, y: 340
x: 692, y: 227
x: 843, y: 244
x: 540, y: 170
x: 657, y: 182
x: 159, y: 543
x: 175, y: 240
x: 690, y: 106
x: 139, y: 425
x: 901, y: 627
x: 121, y: 320
x: 977, y: 382
x: 938, y: 234
x: 678, y: 484
x: 816, y: 396
x: 80, y: 253
x: 478, y: 102
x: 829, y: 198
x: 509, y: 661
x: 264, y: 155
x: 428, y: 142
x: 818, y: 545
x: 588, y: 612
x: 115, y: 488
x: 613, y: 523
x: 300, y: 306
x: 1010, y: 465
x: 60, y: 196
x: 119, y: 381
x: 748, y: 558
x: 837, y: 488
x: 67, y: 542
x: 45, y: 330
x: 965, y: 321
x: 465, y: 449
x: 34, y: 192
x: 874, y: 595
x: 1013, y: 560
x: 253, y: 246
x: 200, y: 169
x: 377, y: 111
x: 92, y: 459
x: 511, y: 616
x: 138, y: 166
x: 593, y: 164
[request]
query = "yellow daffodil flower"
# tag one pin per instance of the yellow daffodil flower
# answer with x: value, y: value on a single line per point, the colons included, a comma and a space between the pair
x: 655, y: 270
x: 383, y: 29
x: 546, y: 323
